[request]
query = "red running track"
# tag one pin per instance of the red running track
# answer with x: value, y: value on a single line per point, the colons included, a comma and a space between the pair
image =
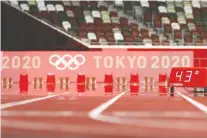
x: 93, y: 115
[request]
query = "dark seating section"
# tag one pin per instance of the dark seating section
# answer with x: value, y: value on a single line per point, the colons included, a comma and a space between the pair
x: 149, y: 23
x: 23, y: 33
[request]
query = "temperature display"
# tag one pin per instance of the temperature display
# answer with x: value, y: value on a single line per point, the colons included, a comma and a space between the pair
x: 188, y: 77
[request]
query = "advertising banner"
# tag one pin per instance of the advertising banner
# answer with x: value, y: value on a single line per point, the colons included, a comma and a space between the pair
x: 93, y: 63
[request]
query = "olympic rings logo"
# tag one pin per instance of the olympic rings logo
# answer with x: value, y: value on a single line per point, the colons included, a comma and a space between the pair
x: 67, y: 61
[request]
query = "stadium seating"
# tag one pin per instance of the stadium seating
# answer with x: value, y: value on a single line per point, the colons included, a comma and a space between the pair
x: 149, y: 23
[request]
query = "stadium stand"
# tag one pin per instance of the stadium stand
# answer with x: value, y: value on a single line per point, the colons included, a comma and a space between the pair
x: 21, y: 32
x: 149, y: 23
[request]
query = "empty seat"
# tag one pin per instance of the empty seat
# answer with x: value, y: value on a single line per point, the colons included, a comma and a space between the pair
x: 66, y: 25
x: 118, y: 36
x: 91, y: 36
x: 103, y: 41
x: 50, y: 7
x: 59, y: 7
x: 24, y: 7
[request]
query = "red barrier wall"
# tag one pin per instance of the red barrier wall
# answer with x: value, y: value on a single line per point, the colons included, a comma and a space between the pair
x: 93, y: 63
x: 200, y: 55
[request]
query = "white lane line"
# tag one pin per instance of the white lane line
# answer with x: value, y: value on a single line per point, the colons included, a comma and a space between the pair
x: 58, y: 127
x: 161, y: 114
x: 176, y: 124
x: 193, y: 102
x: 96, y: 114
x: 41, y: 113
x: 97, y: 111
x: 12, y: 104
x: 93, y: 130
x: 83, y: 129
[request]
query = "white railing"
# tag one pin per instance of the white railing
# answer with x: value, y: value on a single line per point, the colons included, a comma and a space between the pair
x: 146, y: 47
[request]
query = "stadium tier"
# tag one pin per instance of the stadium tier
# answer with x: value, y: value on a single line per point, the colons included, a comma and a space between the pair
x: 149, y: 23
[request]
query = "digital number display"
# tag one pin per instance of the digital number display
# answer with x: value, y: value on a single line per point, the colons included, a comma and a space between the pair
x: 188, y: 77
x: 184, y: 76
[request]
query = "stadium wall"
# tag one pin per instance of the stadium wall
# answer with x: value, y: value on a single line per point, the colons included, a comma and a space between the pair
x: 200, y: 55
x: 93, y: 63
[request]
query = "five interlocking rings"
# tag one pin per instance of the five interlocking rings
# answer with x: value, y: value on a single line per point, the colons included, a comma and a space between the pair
x: 67, y: 61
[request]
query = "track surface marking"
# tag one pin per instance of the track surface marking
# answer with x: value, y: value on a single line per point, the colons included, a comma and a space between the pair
x: 119, y: 115
x: 194, y: 103
x: 17, y: 103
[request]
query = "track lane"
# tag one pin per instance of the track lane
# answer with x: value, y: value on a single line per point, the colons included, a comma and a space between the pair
x: 76, y: 105
x: 82, y: 126
x: 187, y: 127
x: 15, y: 98
x: 202, y: 100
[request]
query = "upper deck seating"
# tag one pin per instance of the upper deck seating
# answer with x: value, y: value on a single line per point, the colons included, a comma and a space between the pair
x: 149, y: 23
